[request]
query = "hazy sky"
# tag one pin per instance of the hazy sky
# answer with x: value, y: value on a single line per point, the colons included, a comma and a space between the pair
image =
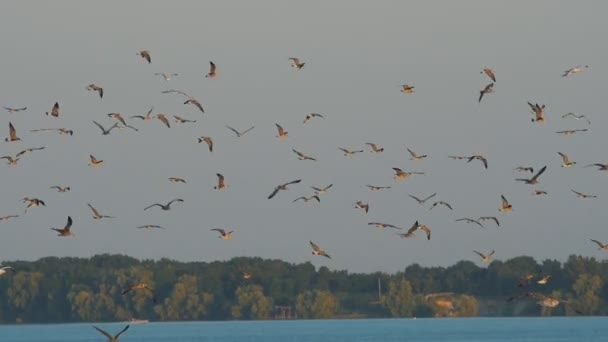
x: 357, y: 53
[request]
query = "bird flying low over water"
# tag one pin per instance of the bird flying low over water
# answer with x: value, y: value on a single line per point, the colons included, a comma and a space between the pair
x: 65, y: 231
x: 95, y: 87
x: 348, y: 153
x: 487, y: 90
x: 407, y: 89
x: 238, y: 133
x: 212, y: 70
x: 506, y: 207
x: 95, y: 162
x: 224, y: 235
x: 12, y: 133
x: 109, y: 336
x: 575, y: 70
x: 207, y: 141
x: 96, y: 214
x: 533, y: 180
x: 302, y: 156
x: 221, y: 185
x: 316, y: 250
x: 14, y: 110
x: 164, y: 206
x: 54, y: 111
x: 485, y: 258
x: 423, y: 200
x: 539, y: 112
x: 5, y: 269
x: 282, y: 187
x: 490, y: 73
x: 309, y: 116
x: 140, y: 286
x: 295, y: 63
x: 145, y: 54
x: 582, y: 195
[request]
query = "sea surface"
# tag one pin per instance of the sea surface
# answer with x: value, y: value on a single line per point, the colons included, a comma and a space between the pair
x: 455, y: 329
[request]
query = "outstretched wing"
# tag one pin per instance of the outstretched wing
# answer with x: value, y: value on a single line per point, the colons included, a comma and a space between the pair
x: 110, y: 337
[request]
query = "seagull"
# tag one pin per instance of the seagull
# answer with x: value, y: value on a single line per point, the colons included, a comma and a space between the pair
x: 221, y: 185
x: 416, y: 157
x: 140, y: 286
x: 539, y: 192
x: 96, y: 214
x: 8, y: 217
x: 506, y: 207
x: 362, y: 205
x: 146, y: 117
x: 577, y: 117
x: 176, y: 180
x: 54, y: 111
x: 321, y: 191
x: 575, y: 70
x: 14, y: 110
x: 145, y: 54
x: 538, y: 111
x: 485, y: 258
x: 282, y: 132
x: 310, y: 116
x: 247, y: 275
x: 282, y: 187
x: 533, y: 180
x: 544, y: 279
x: 224, y: 235
x: 487, y: 90
x: 119, y: 117
x: 374, y: 148
x: 383, y: 225
x: 490, y: 218
x: 490, y: 73
x: 94, y: 162
x: 32, y: 202
x: 12, y: 133
x: 422, y: 201
x: 182, y: 120
x: 407, y: 89
x: 602, y: 246
x: 316, y: 250
x: 400, y: 174
x: 582, y: 195
x: 302, y: 156
x: 61, y: 131
x: 30, y: 149
x: 566, y: 161
x: 207, y: 141
x: 480, y: 158
x: 240, y: 134
x: 195, y: 102
x: 295, y: 63
x: 524, y: 169
x: 167, y: 77
x: 94, y: 87
x: 65, y: 232
x: 110, y: 337
x: 348, y: 153
x: 163, y: 119
x: 166, y: 206
x: 6, y: 269
x: 446, y: 204
x: 377, y: 188
x: 10, y: 160
x: 306, y: 199
x: 410, y: 232
x: 105, y: 131
x: 212, y: 70
x: 150, y: 226
x: 601, y: 167
x: 572, y: 131
x: 469, y: 220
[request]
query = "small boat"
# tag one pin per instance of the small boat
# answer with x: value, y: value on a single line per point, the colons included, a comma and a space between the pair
x: 138, y: 321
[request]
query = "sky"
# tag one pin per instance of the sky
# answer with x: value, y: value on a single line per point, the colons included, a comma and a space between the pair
x: 357, y: 54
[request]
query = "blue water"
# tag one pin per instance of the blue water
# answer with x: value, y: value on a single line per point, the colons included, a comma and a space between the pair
x: 471, y: 329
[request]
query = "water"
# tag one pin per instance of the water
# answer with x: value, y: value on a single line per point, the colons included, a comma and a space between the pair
x: 471, y: 329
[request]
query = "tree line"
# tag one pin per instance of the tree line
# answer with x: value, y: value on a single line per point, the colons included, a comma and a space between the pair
x: 71, y: 289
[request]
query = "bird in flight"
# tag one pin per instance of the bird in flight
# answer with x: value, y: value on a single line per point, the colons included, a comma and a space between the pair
x: 150, y: 226
x: 163, y: 118
x: 196, y: 103
x: 316, y: 250
x: 533, y: 180
x: 8, y: 217
x: 490, y: 218
x: 119, y: 117
x: 109, y: 336
x: 166, y: 76
x: 145, y: 54
x: 321, y: 191
x: 306, y: 199
x: 176, y: 180
x: 140, y: 286
x: 212, y: 70
x: 566, y: 161
x: 485, y: 258
x: 415, y: 156
x: 147, y: 117
x: 400, y: 174
x: 381, y: 225
x: 282, y: 187
x: 295, y: 63
x: 96, y: 214
x: 10, y: 160
x: 238, y: 133
x: 95, y: 87
x: 65, y: 231
x: 14, y: 110
x: 422, y: 201
x: 487, y: 90
x: 600, y: 166
x: 207, y: 141
x: 5, y: 269
x: 179, y: 119
x: 348, y: 153
x: 539, y: 112
x: 302, y: 156
x: 61, y: 131
x: 539, y: 193
x: 481, y: 158
x: 575, y: 70
x: 362, y: 205
x: 310, y: 116
x: 95, y: 163
x: 12, y: 133
x: 490, y: 73
x: 602, y: 246
x: 470, y: 220
x: 374, y: 148
x: 105, y: 131
x: 164, y: 206
x: 32, y: 203
x: 377, y: 188
x: 445, y: 204
x: 407, y: 89
x: 582, y: 195
x: 572, y: 131
x: 524, y: 169
x: 221, y: 185
x: 577, y: 117
x: 282, y: 133
x: 410, y: 233
x: 506, y: 207
x: 224, y: 235
x: 54, y: 111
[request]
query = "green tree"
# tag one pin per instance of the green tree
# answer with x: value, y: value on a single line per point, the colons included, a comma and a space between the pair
x: 186, y: 301
x: 316, y: 304
x: 587, y: 289
x: 251, y: 303
x: 399, y: 300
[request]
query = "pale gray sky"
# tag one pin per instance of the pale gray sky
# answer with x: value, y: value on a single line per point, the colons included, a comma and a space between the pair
x: 357, y: 53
